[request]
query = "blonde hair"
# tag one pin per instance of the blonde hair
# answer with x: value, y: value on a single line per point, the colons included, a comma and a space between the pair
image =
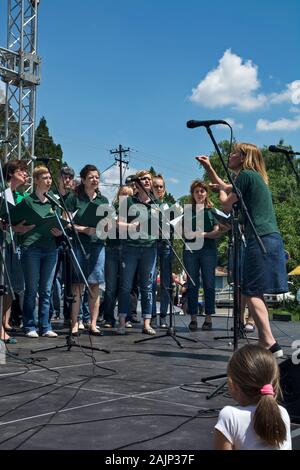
x: 253, y: 159
x: 124, y: 191
x: 142, y: 173
x: 39, y: 171
x: 201, y: 184
x: 251, y: 367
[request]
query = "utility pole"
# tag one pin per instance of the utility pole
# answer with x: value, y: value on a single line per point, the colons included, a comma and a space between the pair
x: 119, y: 159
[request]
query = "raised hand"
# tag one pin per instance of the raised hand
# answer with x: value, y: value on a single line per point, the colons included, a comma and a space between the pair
x: 204, y: 161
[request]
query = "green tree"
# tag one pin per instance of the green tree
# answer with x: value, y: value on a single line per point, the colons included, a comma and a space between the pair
x: 45, y: 147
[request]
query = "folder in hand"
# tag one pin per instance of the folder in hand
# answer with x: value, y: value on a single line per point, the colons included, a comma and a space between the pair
x: 10, y: 201
x: 221, y: 217
x: 23, y: 211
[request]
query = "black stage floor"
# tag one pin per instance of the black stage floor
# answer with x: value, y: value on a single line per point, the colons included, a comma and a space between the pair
x: 139, y: 396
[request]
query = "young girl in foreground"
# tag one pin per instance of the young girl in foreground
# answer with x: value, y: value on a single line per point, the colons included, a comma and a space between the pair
x: 258, y: 423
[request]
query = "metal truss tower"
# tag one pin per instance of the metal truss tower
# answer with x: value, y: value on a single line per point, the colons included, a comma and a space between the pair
x: 20, y: 70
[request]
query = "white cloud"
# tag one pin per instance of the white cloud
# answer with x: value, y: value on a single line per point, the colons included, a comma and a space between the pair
x: 294, y: 109
x: 282, y: 124
x: 110, y: 180
x: 233, y: 83
x: 234, y: 125
x: 173, y: 180
x: 290, y: 95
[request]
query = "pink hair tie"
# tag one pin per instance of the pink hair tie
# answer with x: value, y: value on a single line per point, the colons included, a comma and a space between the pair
x: 267, y: 390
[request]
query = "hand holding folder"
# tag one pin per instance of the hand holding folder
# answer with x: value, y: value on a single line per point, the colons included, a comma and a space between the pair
x: 23, y: 211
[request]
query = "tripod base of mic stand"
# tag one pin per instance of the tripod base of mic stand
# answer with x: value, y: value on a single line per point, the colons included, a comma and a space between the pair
x: 70, y: 343
x: 171, y: 332
x: 218, y: 388
x: 242, y: 335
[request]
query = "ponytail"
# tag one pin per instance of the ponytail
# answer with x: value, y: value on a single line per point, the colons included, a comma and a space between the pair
x: 268, y: 423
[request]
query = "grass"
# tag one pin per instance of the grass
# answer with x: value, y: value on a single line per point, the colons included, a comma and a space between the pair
x: 291, y: 308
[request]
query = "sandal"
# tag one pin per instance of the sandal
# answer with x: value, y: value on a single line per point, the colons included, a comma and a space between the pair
x: 207, y: 325
x: 249, y: 327
x: 149, y: 331
x: 96, y: 332
x: 10, y: 340
x: 193, y: 326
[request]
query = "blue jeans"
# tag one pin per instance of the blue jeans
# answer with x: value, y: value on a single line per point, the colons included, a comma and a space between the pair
x: 142, y: 259
x: 112, y: 279
x: 206, y: 260
x: 39, y: 269
x: 164, y: 256
x: 84, y: 311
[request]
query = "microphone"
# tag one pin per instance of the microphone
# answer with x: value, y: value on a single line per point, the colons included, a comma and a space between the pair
x: 275, y: 149
x: 132, y: 179
x: 53, y: 201
x: 193, y: 124
x: 45, y: 159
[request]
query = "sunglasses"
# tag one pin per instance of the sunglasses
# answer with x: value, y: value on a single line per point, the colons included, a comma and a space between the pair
x: 144, y: 178
x: 158, y: 187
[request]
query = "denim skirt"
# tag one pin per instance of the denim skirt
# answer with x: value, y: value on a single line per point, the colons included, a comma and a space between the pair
x: 92, y: 265
x: 264, y: 273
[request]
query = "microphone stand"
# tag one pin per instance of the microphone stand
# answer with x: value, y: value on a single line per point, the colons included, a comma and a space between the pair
x: 69, y: 298
x: 239, y: 205
x: 297, y: 176
x: 171, y: 331
x: 3, y: 267
x: 68, y: 257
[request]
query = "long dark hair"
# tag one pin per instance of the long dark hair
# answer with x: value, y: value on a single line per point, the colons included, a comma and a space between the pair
x: 79, y: 191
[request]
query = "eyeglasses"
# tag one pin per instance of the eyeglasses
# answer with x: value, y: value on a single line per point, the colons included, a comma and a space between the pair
x: 144, y: 178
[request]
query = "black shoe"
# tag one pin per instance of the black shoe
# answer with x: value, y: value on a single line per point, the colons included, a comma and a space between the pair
x: 134, y: 319
x: 207, y: 325
x: 163, y: 324
x: 193, y: 326
x: 276, y: 350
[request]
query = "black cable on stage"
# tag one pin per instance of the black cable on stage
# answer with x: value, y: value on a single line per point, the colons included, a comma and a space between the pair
x: 201, y: 414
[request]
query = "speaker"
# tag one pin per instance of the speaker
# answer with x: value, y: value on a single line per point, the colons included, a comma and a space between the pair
x: 290, y: 386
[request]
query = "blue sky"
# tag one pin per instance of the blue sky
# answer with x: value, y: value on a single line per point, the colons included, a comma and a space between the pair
x: 132, y: 72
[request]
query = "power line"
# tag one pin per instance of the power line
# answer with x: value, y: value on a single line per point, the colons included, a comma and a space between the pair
x: 119, y: 159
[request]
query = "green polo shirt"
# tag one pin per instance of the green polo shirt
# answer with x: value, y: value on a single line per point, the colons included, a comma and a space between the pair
x: 146, y: 239
x: 258, y: 200
x: 79, y: 204
x: 209, y: 223
x: 68, y: 195
x: 35, y: 237
x: 114, y: 242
